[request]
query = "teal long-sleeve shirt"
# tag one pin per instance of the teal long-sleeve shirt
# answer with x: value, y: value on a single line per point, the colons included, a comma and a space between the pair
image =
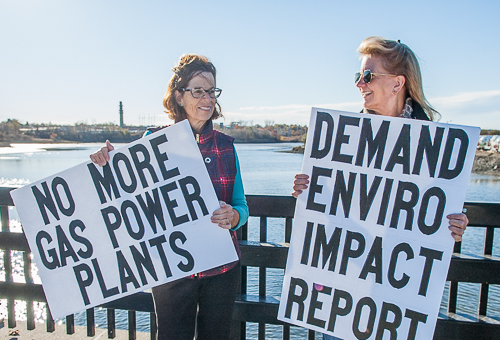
x: 238, y: 201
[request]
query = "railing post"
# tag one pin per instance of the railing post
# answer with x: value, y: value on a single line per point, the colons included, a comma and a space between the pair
x: 286, y: 332
x: 50, y: 321
x: 288, y: 229
x: 153, y: 326
x: 240, y: 331
x: 111, y: 323
x: 70, y: 324
x: 288, y: 236
x: 262, y: 274
x: 30, y: 315
x: 484, y: 290
x: 90, y: 322
x: 131, y: 325
x: 7, y: 263
x: 453, y: 289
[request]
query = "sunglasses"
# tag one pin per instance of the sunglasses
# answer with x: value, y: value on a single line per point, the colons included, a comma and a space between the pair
x: 368, y: 76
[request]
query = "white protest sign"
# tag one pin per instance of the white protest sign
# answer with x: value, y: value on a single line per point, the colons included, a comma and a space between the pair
x: 99, y: 234
x: 370, y: 246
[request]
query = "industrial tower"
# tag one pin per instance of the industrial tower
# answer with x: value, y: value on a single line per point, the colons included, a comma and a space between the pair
x: 121, y: 115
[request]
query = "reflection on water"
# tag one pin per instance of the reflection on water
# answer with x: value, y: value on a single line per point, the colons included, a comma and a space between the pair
x: 266, y: 170
x: 483, y: 188
x: 32, y: 162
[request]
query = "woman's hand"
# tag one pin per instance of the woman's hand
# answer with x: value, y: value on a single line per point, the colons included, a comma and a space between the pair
x: 458, y: 223
x: 300, y: 183
x: 226, y: 217
x: 101, y: 156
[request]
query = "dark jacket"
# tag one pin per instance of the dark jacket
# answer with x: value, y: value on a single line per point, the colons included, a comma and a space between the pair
x: 418, y: 112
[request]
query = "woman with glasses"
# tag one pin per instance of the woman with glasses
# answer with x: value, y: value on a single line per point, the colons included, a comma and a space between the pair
x: 390, y: 83
x: 203, y: 303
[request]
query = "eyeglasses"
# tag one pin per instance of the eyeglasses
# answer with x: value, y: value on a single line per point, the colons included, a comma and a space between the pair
x: 368, y: 76
x: 199, y: 92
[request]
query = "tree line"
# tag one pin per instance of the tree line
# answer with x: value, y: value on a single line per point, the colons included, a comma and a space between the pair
x: 13, y: 131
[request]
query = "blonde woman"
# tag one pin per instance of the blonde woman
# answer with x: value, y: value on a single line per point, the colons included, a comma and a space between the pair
x: 390, y: 83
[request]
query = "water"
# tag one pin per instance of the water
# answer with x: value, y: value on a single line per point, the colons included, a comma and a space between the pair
x: 266, y: 170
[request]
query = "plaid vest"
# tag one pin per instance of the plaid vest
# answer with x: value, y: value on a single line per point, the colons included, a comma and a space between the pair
x: 217, y: 150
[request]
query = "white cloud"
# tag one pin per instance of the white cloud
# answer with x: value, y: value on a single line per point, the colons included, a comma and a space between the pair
x: 481, y: 108
x: 468, y: 97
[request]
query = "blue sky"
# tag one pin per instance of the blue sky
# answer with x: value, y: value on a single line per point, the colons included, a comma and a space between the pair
x: 68, y: 61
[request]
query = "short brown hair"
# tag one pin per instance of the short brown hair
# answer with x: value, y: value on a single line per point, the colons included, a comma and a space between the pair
x: 399, y: 59
x: 188, y: 67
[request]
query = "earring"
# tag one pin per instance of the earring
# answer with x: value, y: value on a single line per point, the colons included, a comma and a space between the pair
x: 394, y: 92
x: 180, y: 104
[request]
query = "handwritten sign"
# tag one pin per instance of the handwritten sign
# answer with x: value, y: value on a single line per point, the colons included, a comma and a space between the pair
x: 370, y: 246
x: 142, y: 220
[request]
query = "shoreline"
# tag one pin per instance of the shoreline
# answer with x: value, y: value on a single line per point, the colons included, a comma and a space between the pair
x: 485, y: 162
x: 48, y: 141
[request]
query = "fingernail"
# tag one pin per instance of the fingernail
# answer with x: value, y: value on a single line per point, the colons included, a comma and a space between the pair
x: 318, y: 287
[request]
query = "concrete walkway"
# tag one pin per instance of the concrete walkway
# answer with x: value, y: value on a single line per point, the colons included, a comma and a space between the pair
x: 40, y: 333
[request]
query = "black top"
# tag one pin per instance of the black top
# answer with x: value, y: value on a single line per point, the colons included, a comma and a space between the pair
x: 417, y: 113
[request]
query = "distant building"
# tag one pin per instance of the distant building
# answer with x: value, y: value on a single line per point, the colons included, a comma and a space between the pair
x: 121, y: 115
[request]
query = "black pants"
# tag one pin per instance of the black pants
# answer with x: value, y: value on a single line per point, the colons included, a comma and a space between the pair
x: 205, y: 304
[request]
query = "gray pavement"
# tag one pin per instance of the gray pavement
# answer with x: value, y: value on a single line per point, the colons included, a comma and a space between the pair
x: 40, y: 333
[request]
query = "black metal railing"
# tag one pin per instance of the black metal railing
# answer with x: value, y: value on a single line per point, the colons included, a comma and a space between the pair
x: 260, y: 308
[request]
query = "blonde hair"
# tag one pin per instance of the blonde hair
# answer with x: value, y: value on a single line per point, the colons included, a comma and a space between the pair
x: 399, y: 59
x: 188, y: 67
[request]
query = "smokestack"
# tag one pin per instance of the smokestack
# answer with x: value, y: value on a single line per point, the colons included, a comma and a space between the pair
x: 121, y: 115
